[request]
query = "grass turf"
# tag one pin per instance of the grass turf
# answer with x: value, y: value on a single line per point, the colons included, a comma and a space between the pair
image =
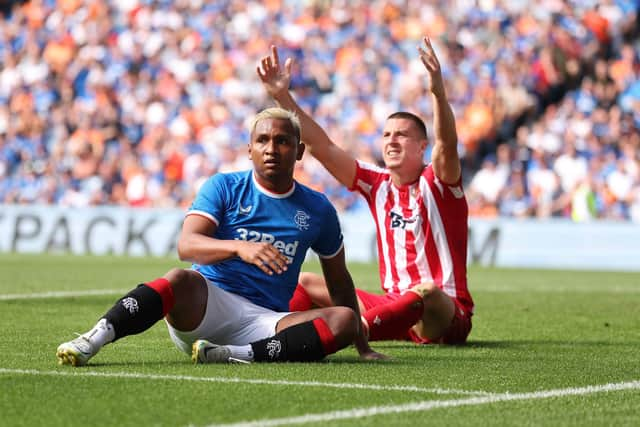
x: 534, y: 331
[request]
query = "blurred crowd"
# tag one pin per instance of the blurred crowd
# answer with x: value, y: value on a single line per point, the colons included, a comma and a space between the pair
x: 136, y: 102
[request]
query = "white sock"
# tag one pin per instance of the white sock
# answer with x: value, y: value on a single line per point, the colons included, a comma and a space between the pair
x: 101, y: 334
x: 242, y: 352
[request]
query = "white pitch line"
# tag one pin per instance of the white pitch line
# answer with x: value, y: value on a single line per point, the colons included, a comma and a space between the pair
x: 433, y: 404
x: 62, y: 294
x: 240, y: 380
x: 102, y: 292
x: 561, y: 290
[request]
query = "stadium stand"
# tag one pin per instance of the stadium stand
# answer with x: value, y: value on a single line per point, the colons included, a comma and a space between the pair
x: 135, y: 102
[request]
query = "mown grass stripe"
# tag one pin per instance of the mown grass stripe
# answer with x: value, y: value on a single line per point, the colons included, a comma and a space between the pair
x: 70, y: 373
x: 62, y: 294
x: 490, y: 289
x: 433, y: 404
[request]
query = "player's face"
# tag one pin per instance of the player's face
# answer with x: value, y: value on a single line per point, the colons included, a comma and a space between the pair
x: 402, y: 144
x: 274, y: 149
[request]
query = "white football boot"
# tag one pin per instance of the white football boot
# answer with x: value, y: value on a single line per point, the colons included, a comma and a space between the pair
x: 202, y: 351
x: 76, y: 352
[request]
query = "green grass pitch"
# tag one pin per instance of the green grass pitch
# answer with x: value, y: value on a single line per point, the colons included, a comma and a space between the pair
x: 548, y: 348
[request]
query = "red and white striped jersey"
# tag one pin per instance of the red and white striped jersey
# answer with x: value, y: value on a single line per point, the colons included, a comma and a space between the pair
x: 422, y: 230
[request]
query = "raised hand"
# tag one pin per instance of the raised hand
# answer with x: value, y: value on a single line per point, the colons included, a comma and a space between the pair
x: 274, y: 79
x: 431, y: 63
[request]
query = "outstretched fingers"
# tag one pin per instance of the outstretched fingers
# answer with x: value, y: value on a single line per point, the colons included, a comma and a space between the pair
x: 269, y: 69
x: 268, y: 65
x: 428, y: 55
x: 261, y: 69
x: 276, y: 58
x: 287, y: 66
x: 275, y: 80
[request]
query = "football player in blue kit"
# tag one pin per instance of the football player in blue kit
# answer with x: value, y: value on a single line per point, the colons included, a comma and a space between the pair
x: 247, y: 234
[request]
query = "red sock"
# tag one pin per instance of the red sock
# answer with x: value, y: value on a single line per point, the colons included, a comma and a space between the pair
x: 163, y: 287
x: 327, y: 338
x: 392, y: 320
x: 300, y: 301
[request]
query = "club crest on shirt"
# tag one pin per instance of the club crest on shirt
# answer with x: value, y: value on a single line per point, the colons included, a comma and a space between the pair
x: 302, y: 220
x: 398, y: 221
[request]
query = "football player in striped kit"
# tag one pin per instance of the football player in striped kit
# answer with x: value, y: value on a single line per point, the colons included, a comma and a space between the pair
x: 246, y: 234
x: 420, y: 212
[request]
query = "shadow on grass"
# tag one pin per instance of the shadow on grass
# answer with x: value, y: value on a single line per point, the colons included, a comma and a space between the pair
x: 398, y: 352
x: 561, y: 343
x: 512, y: 344
x: 144, y: 364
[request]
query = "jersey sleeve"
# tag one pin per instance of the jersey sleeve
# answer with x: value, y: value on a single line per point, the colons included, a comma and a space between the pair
x: 210, y: 202
x: 368, y: 176
x: 330, y: 239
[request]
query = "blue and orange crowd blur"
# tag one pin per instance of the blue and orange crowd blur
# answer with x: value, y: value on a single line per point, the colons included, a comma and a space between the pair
x: 136, y: 102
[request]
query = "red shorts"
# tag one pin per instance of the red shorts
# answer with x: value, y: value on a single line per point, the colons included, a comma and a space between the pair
x: 456, y: 333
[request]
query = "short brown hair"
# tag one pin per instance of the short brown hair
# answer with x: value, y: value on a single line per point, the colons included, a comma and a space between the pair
x: 415, y: 119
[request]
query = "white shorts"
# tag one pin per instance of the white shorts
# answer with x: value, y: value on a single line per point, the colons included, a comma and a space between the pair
x: 228, y: 319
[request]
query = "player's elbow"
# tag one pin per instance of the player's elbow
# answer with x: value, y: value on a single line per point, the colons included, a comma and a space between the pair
x: 183, y: 249
x: 448, y: 170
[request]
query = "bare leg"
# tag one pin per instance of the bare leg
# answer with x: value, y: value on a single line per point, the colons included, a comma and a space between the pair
x: 190, y: 291
x: 316, y: 288
x: 341, y: 321
x: 301, y: 336
x: 438, y: 313
x: 180, y: 295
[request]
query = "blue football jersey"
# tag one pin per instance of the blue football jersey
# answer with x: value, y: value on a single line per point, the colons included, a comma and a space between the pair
x: 292, y: 222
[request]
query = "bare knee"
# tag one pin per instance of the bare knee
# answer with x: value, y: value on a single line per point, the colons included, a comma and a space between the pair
x: 177, y: 277
x: 425, y: 289
x: 314, y: 285
x: 343, y: 323
x: 307, y: 279
x: 187, y: 285
x: 190, y: 295
x: 438, y: 312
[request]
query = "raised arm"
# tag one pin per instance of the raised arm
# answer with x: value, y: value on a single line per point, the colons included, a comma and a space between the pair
x: 276, y: 81
x: 196, y: 245
x: 342, y: 292
x: 444, y: 154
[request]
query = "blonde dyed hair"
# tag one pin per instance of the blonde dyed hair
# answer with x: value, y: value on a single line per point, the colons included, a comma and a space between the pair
x: 276, y: 113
